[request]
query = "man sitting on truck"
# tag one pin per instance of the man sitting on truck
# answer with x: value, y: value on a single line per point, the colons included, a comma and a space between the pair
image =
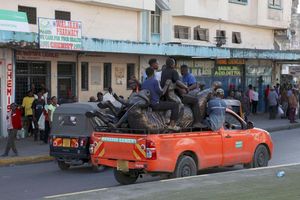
x: 153, y: 86
x: 216, y: 108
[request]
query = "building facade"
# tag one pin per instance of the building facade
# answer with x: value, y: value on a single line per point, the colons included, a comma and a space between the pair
x: 231, y: 41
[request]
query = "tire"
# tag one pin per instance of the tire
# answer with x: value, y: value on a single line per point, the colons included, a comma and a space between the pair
x: 186, y: 166
x: 63, y: 166
x: 99, y: 168
x: 260, y: 158
x: 126, y: 178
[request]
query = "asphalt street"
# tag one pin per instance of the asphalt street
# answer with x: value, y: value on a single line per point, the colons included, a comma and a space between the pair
x: 38, y: 180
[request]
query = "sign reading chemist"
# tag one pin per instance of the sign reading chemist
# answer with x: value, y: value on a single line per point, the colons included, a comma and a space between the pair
x: 60, y: 34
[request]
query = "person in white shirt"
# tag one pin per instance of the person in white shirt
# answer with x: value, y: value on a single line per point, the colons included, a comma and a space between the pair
x: 153, y: 63
x: 254, y: 101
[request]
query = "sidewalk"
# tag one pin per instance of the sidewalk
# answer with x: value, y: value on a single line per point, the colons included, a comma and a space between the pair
x: 29, y: 152
x: 261, y: 120
x: 34, y: 152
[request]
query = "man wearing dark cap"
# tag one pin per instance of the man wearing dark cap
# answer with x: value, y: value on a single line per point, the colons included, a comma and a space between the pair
x: 216, y: 108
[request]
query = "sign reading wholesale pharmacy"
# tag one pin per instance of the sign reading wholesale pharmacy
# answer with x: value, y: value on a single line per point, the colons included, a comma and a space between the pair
x: 59, y: 34
x: 13, y: 21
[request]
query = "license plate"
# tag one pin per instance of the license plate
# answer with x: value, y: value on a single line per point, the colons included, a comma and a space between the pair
x: 66, y: 143
x: 122, y: 165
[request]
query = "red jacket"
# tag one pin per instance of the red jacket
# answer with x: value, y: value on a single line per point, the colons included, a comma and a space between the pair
x: 16, y: 119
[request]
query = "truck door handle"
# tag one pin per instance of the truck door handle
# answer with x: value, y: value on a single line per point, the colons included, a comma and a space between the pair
x: 228, y: 136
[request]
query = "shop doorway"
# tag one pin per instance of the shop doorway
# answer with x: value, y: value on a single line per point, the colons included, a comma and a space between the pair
x: 66, y: 81
x: 30, y: 73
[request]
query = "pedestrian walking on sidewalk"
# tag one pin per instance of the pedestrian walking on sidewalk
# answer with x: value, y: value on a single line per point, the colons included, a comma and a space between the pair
x: 293, y: 104
x: 273, y: 103
x: 38, y: 106
x: 14, y: 123
x: 284, y: 101
x: 245, y: 105
x: 27, y: 105
x: 254, y: 101
x: 267, y: 92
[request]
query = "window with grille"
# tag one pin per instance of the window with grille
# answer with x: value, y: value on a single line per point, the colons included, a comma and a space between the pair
x: 201, y: 34
x: 28, y: 73
x: 275, y: 4
x: 84, y: 76
x: 239, y: 1
x: 107, y: 76
x: 30, y: 12
x: 155, y: 21
x: 62, y: 15
x: 130, y: 73
x: 182, y: 32
x: 236, y: 38
x: 221, y: 37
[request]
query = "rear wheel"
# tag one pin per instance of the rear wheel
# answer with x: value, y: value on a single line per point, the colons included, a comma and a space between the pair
x: 126, y: 178
x: 260, y: 158
x: 62, y: 165
x: 186, y: 166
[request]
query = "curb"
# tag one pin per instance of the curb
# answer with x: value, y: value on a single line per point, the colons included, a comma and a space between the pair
x: 281, y: 128
x: 25, y: 160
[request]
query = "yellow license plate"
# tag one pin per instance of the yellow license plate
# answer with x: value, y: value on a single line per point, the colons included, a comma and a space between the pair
x: 66, y: 143
x: 122, y: 165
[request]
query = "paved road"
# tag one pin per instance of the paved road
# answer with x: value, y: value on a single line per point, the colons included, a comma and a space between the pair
x: 38, y: 180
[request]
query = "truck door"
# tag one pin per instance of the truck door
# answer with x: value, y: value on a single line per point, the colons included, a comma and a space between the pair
x: 236, y: 141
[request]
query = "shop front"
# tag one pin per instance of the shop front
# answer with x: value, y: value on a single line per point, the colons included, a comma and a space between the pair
x: 259, y: 73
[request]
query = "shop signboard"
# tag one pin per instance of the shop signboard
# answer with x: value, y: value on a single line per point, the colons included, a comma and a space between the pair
x: 13, y: 21
x: 231, y: 67
x: 9, y: 85
x: 60, y: 34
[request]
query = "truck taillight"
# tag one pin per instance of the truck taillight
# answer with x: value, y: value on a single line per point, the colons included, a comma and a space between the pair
x: 83, y: 142
x: 150, y: 150
x: 92, y: 146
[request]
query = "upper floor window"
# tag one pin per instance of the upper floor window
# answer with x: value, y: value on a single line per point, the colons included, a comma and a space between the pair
x: 155, y: 20
x: 182, y: 32
x: 236, y: 38
x: 201, y: 34
x: 30, y: 12
x: 239, y: 1
x: 275, y: 4
x: 220, y: 37
x: 62, y: 15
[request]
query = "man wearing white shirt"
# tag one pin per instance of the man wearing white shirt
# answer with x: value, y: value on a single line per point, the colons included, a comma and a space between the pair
x: 254, y: 100
x: 153, y: 63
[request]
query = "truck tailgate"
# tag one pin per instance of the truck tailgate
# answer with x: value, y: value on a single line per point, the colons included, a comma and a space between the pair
x: 130, y: 147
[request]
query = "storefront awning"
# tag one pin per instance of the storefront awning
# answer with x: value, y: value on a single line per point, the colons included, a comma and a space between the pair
x: 163, y: 4
x: 13, y: 21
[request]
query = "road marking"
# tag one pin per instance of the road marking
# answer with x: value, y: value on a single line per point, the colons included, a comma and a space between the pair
x: 182, y: 178
x: 75, y: 193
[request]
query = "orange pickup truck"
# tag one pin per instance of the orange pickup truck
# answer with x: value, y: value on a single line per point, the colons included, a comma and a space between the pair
x: 183, y: 153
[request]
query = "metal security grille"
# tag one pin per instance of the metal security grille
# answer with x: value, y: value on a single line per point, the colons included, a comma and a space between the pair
x: 30, y: 12
x: 107, y: 76
x: 62, y: 15
x: 28, y: 73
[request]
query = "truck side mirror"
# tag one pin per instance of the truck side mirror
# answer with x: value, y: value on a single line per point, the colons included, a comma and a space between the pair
x: 250, y: 125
